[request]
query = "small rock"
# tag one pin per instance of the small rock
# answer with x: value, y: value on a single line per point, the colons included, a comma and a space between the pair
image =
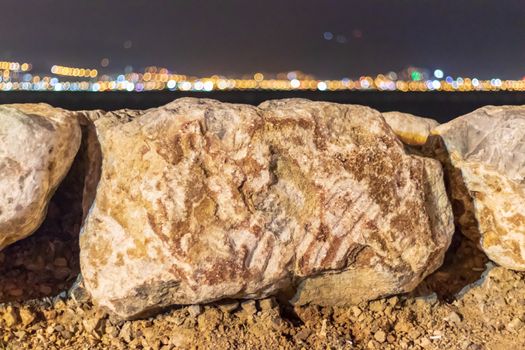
x: 26, y: 316
x: 125, y: 332
x: 380, y: 336
x: 424, y: 342
x: 515, y: 325
x: 228, y: 306
x: 249, y: 307
x: 194, y: 310
x: 10, y: 317
x: 453, y: 317
x: 303, y: 334
x: 267, y: 304
x: 356, y: 311
x: 377, y: 306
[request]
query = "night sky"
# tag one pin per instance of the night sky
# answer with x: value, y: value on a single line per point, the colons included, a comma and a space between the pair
x: 328, y: 38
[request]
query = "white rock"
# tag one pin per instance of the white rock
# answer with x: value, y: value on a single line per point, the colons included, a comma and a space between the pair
x: 486, y: 154
x: 37, y: 146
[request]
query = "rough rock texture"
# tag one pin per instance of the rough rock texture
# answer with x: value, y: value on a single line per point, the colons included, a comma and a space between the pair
x: 410, y: 129
x: 93, y: 154
x: 486, y: 155
x: 37, y: 146
x: 200, y: 200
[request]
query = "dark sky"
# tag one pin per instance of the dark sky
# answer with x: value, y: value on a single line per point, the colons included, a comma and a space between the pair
x: 483, y: 38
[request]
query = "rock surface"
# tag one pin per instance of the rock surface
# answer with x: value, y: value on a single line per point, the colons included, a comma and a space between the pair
x: 37, y: 146
x: 200, y: 201
x: 412, y: 130
x: 486, y: 154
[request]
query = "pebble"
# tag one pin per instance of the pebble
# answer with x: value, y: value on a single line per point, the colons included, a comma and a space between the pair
x: 380, y: 336
x: 26, y: 316
x: 356, y: 311
x: 267, y: 304
x: 249, y: 307
x: 453, y: 317
x: 10, y: 317
x: 377, y: 306
x: 303, y: 334
x: 194, y: 310
x: 228, y: 306
x: 424, y: 342
x: 515, y: 325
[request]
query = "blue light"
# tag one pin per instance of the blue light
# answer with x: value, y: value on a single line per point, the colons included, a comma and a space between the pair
x: 328, y: 35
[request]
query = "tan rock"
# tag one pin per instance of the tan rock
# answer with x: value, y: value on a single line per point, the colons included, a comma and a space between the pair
x: 412, y: 130
x: 378, y: 219
x: 200, y: 201
x: 485, y: 151
x: 37, y: 146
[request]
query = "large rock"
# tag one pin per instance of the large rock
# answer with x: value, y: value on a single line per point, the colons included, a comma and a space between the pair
x: 485, y: 156
x: 412, y: 130
x: 200, y: 200
x: 37, y: 146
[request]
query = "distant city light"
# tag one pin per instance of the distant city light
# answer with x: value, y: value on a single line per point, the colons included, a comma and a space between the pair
x: 416, y: 76
x: 14, y: 76
x: 328, y: 35
x: 438, y: 73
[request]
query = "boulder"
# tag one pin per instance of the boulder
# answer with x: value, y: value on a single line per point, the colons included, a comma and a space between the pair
x: 410, y: 129
x: 484, y: 154
x: 37, y: 146
x: 200, y: 200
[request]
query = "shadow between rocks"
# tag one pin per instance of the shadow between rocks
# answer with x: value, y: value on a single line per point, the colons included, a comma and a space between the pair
x: 464, y: 261
x: 47, y: 262
x: 463, y: 265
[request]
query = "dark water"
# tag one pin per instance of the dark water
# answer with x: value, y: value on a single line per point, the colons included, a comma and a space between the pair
x: 442, y: 106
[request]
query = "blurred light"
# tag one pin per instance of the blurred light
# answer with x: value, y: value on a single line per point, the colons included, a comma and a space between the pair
x: 104, y: 62
x: 438, y: 73
x: 208, y: 86
x: 341, y: 39
x: 294, y: 83
x: 258, y: 77
x: 436, y: 84
x: 328, y: 35
x: 392, y: 75
x: 291, y: 75
x: 321, y: 86
x: 171, y: 84
x: 415, y: 76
